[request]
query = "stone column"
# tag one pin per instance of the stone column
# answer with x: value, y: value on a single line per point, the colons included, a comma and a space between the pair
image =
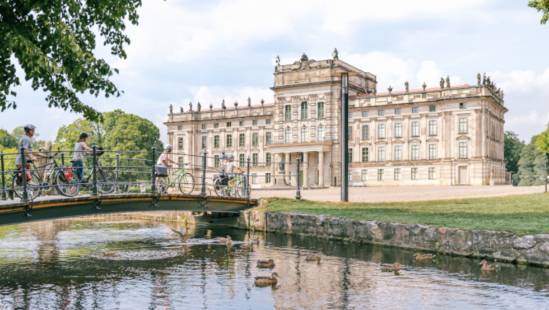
x: 321, y: 168
x: 274, y: 163
x: 305, y: 169
x: 287, y: 171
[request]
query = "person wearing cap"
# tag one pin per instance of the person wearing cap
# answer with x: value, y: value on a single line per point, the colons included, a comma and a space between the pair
x: 25, y: 143
x: 80, y: 150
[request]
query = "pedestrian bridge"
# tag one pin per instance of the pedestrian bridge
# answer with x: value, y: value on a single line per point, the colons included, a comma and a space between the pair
x: 52, y: 207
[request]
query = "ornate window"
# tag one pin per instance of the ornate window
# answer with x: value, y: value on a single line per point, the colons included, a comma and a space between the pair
x: 433, y: 127
x: 381, y: 153
x: 241, y: 160
x: 268, y: 138
x: 413, y: 174
x: 364, y: 175
x: 431, y: 173
x: 320, y: 133
x: 432, y: 151
x: 365, y: 132
x: 381, y: 131
x: 365, y: 155
x: 255, y: 159
x: 241, y: 139
x: 397, y: 152
x: 397, y: 174
x: 287, y: 135
x: 414, y: 152
x: 304, y: 111
x: 204, y: 141
x: 398, y: 130
x: 268, y: 159
x: 320, y: 110
x: 463, y: 150
x: 463, y: 125
x: 350, y: 155
x: 287, y: 112
x: 216, y: 141
x: 303, y: 134
x: 255, y: 139
x: 380, y: 174
x: 229, y: 141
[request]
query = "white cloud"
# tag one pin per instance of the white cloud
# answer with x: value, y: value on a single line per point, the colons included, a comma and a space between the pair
x: 522, y: 81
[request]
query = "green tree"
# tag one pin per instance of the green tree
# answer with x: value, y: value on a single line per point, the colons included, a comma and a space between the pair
x: 543, y: 7
x: 54, y: 43
x: 512, y: 149
x: 542, y: 141
x: 7, y: 140
x: 531, y: 166
x: 118, y: 131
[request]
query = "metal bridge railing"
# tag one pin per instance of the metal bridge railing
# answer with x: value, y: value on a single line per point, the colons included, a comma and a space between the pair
x: 104, y: 172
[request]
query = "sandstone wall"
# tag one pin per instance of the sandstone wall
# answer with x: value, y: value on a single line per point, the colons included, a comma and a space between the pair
x: 500, y: 246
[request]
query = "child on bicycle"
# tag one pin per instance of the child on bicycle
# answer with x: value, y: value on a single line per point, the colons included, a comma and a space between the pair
x: 80, y: 150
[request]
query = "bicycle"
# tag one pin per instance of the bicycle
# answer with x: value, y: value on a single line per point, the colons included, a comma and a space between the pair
x: 53, y: 174
x: 231, y: 185
x: 183, y: 179
x: 105, y: 177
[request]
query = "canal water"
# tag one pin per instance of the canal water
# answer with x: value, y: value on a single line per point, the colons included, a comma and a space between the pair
x: 133, y: 264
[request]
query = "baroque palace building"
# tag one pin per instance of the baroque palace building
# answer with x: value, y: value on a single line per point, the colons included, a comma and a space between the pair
x: 446, y: 135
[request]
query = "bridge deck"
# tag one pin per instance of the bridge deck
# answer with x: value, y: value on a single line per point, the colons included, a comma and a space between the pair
x: 15, y: 211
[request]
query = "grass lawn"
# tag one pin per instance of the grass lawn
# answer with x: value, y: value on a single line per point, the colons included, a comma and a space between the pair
x: 521, y: 214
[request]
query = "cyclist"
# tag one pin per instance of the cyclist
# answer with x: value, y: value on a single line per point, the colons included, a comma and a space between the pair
x: 25, y: 142
x: 164, y: 162
x: 80, y: 150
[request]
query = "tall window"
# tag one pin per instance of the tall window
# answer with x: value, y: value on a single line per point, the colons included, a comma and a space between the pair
x: 216, y: 125
x: 350, y: 132
x: 398, y: 130
x: 415, y: 110
x: 241, y: 160
x: 432, y: 108
x: 320, y: 133
x: 380, y: 112
x: 365, y: 132
x: 216, y: 161
x: 229, y: 124
x: 433, y: 127
x: 180, y: 161
x: 350, y: 155
x: 365, y: 154
x: 255, y: 159
x: 320, y: 110
x: 380, y: 174
x: 287, y: 112
x: 381, y: 153
x: 364, y: 175
x: 268, y: 121
x: 241, y: 139
x: 397, y: 111
x: 463, y: 150
x: 414, y: 152
x: 268, y: 159
x: 432, y: 151
x: 381, y: 131
x: 268, y: 138
x: 229, y: 141
x: 180, y: 143
x: 303, y: 134
x: 216, y: 141
x: 463, y: 125
x: 364, y: 113
x: 288, y: 135
x: 415, y: 128
x: 267, y: 178
x: 397, y: 174
x: 204, y: 141
x: 255, y: 139
x: 203, y: 126
x: 304, y: 110
x: 431, y: 173
x: 413, y: 174
x: 397, y: 154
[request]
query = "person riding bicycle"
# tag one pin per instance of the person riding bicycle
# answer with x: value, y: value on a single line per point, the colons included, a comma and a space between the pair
x: 80, y: 150
x: 25, y: 143
x: 164, y: 162
x: 229, y: 168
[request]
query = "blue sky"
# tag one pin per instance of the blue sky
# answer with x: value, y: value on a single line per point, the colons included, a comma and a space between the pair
x: 209, y: 50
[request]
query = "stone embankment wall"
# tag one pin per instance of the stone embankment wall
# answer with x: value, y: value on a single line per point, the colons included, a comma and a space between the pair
x: 499, y: 246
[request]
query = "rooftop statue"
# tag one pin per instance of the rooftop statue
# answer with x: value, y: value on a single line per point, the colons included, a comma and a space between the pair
x: 198, y: 106
x: 211, y: 106
x: 335, y: 54
x: 304, y: 57
x: 484, y: 79
x: 424, y: 86
x: 447, y: 81
x: 277, y: 60
x: 407, y: 86
x: 249, y: 102
x: 171, y: 109
x: 441, y: 82
x: 223, y: 104
x: 478, y: 79
x: 236, y: 105
x: 190, y: 106
x: 390, y: 89
x: 181, y: 109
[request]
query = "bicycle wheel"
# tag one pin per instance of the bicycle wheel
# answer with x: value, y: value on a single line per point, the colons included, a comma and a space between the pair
x: 68, y: 188
x: 33, y: 186
x: 105, y: 181
x: 219, y: 188
x: 185, y: 183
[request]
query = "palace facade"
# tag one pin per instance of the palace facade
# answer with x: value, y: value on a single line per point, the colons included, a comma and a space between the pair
x: 445, y: 135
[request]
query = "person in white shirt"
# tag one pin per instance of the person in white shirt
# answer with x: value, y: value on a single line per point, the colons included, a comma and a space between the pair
x: 80, y: 150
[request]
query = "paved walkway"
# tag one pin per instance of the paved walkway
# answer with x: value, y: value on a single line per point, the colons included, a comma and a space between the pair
x: 402, y: 193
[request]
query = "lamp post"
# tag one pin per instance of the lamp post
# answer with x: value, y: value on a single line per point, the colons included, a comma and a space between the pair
x: 344, y: 142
